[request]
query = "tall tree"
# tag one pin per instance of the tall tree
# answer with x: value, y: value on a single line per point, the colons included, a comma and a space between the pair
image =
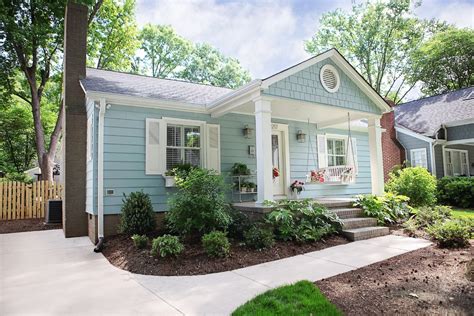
x: 445, y: 62
x: 165, y: 51
x: 112, y: 36
x: 31, y: 40
x: 208, y: 65
x: 378, y: 38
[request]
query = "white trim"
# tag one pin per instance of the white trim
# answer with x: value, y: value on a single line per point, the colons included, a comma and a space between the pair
x: 263, y: 145
x: 222, y: 101
x: 414, y: 134
x: 461, y: 151
x: 336, y: 74
x: 376, y: 156
x: 416, y: 150
x: 433, y: 160
x: 459, y: 123
x: 460, y: 141
x: 100, y: 170
x: 161, y: 142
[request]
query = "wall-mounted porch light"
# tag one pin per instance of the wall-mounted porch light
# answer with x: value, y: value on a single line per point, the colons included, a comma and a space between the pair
x: 301, y: 137
x: 248, y: 132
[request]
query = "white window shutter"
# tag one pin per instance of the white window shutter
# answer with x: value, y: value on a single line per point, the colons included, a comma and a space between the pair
x: 155, y: 146
x: 213, y: 150
x: 352, y: 155
x: 322, y: 151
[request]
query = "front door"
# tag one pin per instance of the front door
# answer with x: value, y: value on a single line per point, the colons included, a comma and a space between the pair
x: 278, y: 163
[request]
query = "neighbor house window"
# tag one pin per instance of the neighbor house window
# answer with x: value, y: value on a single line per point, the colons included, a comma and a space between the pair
x: 419, y: 158
x: 183, y: 145
x: 457, y: 162
x: 336, y: 152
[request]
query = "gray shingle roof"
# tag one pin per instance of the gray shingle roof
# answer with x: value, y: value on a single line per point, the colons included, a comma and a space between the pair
x: 425, y: 116
x: 148, y: 87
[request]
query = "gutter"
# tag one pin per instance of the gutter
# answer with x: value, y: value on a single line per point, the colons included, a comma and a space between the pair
x: 100, y: 177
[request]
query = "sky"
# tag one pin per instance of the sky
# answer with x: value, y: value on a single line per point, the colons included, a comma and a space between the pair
x: 268, y: 36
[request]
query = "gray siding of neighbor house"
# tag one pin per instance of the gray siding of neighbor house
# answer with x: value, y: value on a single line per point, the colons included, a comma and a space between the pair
x: 439, y: 157
x: 461, y: 132
x: 410, y: 142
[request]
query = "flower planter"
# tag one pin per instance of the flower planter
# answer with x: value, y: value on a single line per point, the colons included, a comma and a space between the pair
x: 170, y: 181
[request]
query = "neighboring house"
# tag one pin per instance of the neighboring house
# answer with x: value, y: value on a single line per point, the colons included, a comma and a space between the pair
x: 438, y: 132
x: 139, y: 127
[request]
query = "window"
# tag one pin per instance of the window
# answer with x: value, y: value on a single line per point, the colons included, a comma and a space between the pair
x: 336, y: 152
x: 457, y: 162
x: 183, y: 145
x: 418, y: 158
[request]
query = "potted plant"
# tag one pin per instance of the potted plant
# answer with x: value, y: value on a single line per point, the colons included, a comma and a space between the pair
x: 296, y: 187
x: 170, y: 180
x: 251, y: 187
x: 240, y: 169
x: 243, y: 187
x: 181, y: 170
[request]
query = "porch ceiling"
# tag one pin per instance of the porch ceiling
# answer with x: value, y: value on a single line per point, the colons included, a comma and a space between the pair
x: 324, y: 115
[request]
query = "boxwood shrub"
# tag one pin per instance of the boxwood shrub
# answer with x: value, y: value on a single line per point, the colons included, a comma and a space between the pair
x: 137, y: 216
x: 456, y: 191
x: 451, y: 233
x: 216, y: 244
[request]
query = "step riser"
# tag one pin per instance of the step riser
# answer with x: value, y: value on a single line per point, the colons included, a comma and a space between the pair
x: 363, y: 222
x: 349, y: 213
x: 355, y: 236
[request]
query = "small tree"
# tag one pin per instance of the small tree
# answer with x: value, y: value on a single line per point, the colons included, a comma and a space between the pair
x: 138, y: 216
x: 199, y: 206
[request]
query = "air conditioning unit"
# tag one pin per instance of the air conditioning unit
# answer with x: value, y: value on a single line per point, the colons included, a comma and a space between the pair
x: 54, y: 211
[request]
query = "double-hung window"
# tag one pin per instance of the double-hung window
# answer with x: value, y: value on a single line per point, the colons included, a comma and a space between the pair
x: 336, y: 152
x: 183, y: 145
x: 419, y: 158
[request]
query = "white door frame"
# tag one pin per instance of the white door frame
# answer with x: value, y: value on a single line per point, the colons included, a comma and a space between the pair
x: 445, y: 162
x: 285, y: 176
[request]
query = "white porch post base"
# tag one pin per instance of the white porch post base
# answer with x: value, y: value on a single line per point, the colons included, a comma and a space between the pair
x: 376, y: 156
x: 263, y: 134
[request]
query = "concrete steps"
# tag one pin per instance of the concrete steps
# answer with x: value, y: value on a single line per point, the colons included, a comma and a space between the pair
x: 355, y: 225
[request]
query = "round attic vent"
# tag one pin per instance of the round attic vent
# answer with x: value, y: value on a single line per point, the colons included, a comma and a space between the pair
x: 329, y: 78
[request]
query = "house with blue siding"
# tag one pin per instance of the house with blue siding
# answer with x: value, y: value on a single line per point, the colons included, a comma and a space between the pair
x: 316, y: 122
x: 438, y: 132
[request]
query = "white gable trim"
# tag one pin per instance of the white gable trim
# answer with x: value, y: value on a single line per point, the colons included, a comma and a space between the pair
x: 414, y: 134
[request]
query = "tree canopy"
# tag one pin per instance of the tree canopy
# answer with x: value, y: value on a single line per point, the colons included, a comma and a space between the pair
x: 378, y: 38
x: 445, y: 62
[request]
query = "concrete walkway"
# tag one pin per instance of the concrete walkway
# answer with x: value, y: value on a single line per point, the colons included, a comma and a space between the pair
x: 42, y: 273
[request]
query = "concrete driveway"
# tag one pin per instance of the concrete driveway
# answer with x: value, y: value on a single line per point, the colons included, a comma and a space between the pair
x: 42, y: 273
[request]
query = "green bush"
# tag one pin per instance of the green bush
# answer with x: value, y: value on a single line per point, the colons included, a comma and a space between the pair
x: 17, y: 177
x: 137, y: 216
x: 410, y: 227
x: 216, y: 244
x: 240, y: 222
x: 451, y: 233
x: 302, y: 220
x: 416, y: 183
x: 258, y: 237
x: 200, y: 205
x: 426, y: 216
x: 388, y: 208
x: 166, y: 245
x: 456, y: 191
x: 140, y: 241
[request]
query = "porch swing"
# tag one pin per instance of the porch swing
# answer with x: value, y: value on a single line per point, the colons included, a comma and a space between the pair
x: 333, y: 175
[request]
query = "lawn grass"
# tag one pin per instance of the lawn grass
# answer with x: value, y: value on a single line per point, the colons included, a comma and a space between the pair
x: 301, y: 298
x: 463, y: 213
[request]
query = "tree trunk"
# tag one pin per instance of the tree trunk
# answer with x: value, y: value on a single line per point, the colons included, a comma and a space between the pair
x: 47, y: 168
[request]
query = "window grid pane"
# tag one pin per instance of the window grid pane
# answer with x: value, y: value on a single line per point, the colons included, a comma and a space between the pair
x: 180, y: 139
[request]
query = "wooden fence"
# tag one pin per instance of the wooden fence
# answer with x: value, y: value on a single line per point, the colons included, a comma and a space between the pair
x: 19, y: 200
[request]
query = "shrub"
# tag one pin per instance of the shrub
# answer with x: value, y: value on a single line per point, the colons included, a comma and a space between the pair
x: 302, y: 220
x: 199, y: 206
x: 240, y: 222
x: 216, y: 244
x: 456, y: 191
x: 17, y: 177
x: 137, y: 214
x: 259, y: 237
x: 426, y: 216
x: 166, y: 245
x: 416, y: 183
x: 388, y: 208
x: 451, y: 233
x: 410, y: 227
x: 140, y: 241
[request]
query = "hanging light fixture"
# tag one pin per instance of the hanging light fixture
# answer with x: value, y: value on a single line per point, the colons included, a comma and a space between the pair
x: 248, y: 132
x: 301, y: 137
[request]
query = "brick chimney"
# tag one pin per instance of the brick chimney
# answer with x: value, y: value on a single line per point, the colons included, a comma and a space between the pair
x: 75, y: 121
x: 393, y: 151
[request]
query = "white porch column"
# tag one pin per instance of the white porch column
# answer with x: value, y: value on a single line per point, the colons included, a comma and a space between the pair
x: 263, y: 134
x: 376, y: 156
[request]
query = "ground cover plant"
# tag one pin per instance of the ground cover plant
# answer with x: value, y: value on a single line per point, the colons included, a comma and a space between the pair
x: 166, y: 245
x: 387, y: 209
x: 417, y: 183
x: 140, y: 241
x: 301, y: 298
x: 137, y: 215
x: 259, y: 237
x: 302, y: 220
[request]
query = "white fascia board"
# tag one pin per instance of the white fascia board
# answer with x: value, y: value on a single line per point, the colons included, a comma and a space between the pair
x: 222, y: 101
x: 235, y: 103
x: 414, y: 134
x: 121, y: 99
x: 460, y: 141
x: 460, y: 123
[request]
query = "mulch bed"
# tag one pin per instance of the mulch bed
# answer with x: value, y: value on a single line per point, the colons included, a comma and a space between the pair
x: 25, y: 225
x: 121, y: 252
x: 429, y: 281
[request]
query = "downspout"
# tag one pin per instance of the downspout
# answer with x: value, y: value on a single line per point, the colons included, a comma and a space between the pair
x: 100, y: 177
